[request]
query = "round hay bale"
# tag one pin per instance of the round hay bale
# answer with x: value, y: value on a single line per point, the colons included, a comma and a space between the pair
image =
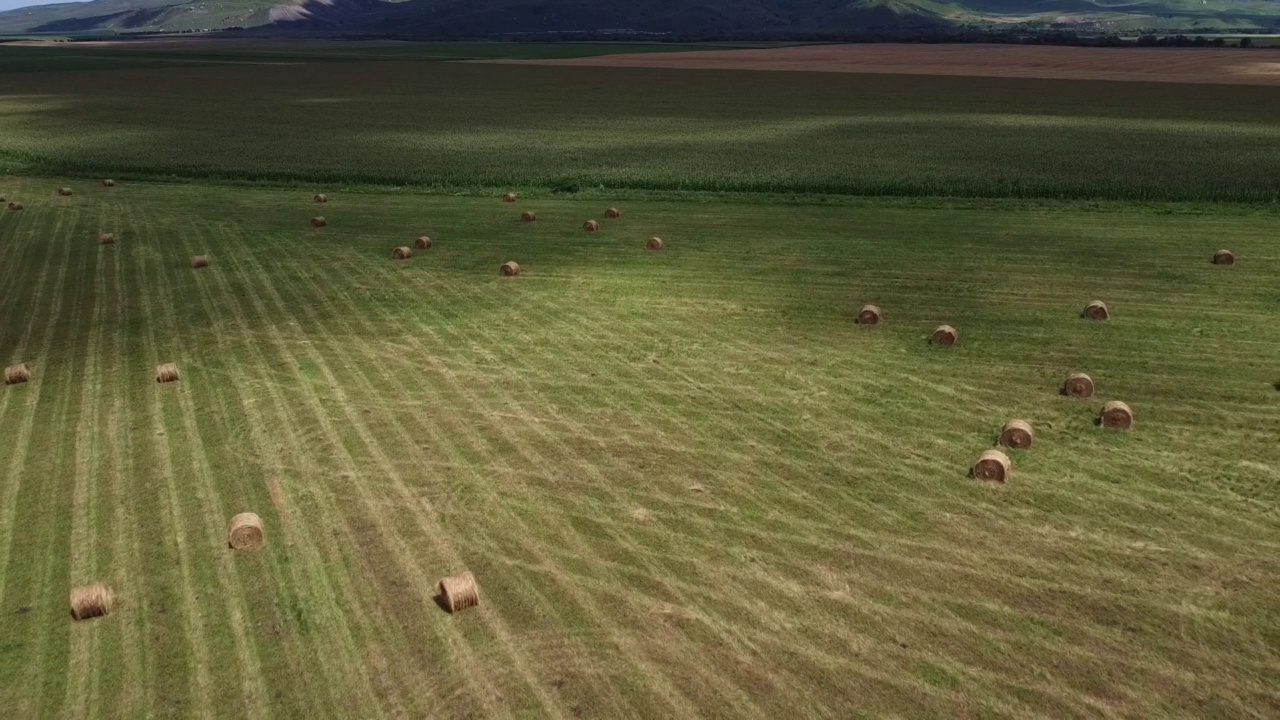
x: 199, y: 261
x: 318, y: 221
x: 65, y: 192
x: 1017, y: 434
x: 1116, y: 415
x: 591, y: 226
x: 15, y: 206
x: 870, y: 315
x: 655, y: 244
x: 509, y: 269
x: 991, y: 465
x: 509, y: 197
x: 528, y: 216
x: 245, y: 532
x: 1078, y: 385
x: 613, y: 213
x: 1096, y: 310
x: 459, y: 592
x: 422, y: 243
x: 167, y: 373
x: 108, y: 183
x: 1224, y: 257
x: 321, y: 198
x: 945, y: 335
x: 106, y: 238
x: 91, y: 601
x: 15, y: 374
x: 402, y: 253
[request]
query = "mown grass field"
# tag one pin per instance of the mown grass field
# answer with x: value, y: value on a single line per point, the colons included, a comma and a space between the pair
x: 277, y: 117
x: 687, y: 483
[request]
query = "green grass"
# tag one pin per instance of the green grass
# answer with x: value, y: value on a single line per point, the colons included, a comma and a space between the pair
x: 476, y: 127
x: 686, y: 481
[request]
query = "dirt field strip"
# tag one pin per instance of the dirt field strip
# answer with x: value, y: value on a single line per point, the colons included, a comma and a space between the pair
x: 1212, y: 66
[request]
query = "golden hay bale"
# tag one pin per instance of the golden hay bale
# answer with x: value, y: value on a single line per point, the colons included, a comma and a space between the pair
x: 509, y: 269
x: 870, y: 315
x: 106, y: 238
x: 509, y: 197
x: 1096, y: 310
x: 199, y: 261
x: 945, y: 335
x: 108, y: 183
x: 245, y: 532
x: 613, y: 213
x: 1224, y: 257
x: 655, y: 244
x: 422, y: 243
x: 401, y: 253
x: 91, y: 601
x: 1116, y: 415
x: 15, y: 374
x: 459, y: 592
x: 528, y: 216
x: 321, y: 198
x: 1078, y: 385
x: 591, y: 226
x: 167, y: 373
x: 318, y: 221
x: 991, y: 465
x: 65, y: 192
x: 1017, y: 434
x: 15, y: 206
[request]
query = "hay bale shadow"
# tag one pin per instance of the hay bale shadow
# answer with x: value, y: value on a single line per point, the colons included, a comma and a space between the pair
x: 441, y: 603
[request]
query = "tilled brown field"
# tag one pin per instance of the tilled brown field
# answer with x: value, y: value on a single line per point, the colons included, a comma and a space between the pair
x: 1231, y: 66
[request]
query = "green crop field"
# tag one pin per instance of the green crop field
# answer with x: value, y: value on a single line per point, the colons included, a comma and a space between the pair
x: 459, y: 126
x: 687, y: 482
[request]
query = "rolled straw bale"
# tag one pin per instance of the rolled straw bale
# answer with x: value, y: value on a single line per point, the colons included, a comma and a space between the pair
x: 591, y: 226
x: 422, y: 243
x: 91, y: 601
x: 245, y: 532
x: 870, y: 315
x: 509, y: 269
x: 15, y: 374
x: 318, y: 221
x: 15, y: 206
x: 65, y: 192
x: 528, y: 216
x: 199, y: 261
x: 613, y: 213
x: 655, y: 244
x: 991, y: 465
x: 402, y: 253
x: 1116, y: 415
x: 167, y: 373
x: 106, y: 238
x: 108, y: 183
x: 321, y: 198
x: 509, y: 197
x: 1224, y: 257
x: 1, y: 198
x: 1096, y: 310
x: 945, y: 335
x: 1017, y: 434
x: 459, y: 592
x: 1078, y: 385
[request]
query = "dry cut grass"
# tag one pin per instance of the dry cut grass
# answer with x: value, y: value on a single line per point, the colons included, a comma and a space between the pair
x: 686, y: 483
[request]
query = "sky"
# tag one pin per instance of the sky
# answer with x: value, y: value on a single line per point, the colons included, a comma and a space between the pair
x: 11, y: 4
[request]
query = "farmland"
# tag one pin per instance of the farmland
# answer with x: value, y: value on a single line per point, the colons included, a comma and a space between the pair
x: 687, y: 482
x: 455, y: 126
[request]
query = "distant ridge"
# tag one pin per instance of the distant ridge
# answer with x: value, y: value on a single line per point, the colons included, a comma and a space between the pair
x: 680, y: 19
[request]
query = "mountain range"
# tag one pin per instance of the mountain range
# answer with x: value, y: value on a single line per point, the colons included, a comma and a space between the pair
x: 678, y: 18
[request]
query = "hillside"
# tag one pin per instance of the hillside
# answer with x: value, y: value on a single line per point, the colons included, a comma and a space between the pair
x: 469, y: 18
